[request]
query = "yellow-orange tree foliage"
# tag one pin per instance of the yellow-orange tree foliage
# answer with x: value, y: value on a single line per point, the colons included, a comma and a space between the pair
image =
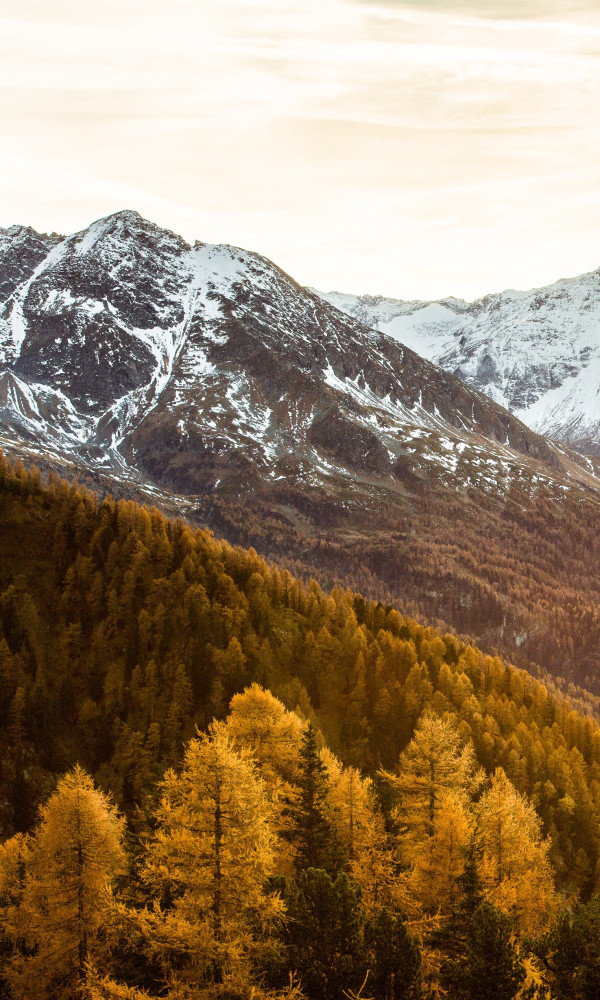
x: 351, y: 809
x: 210, y: 856
x: 515, y: 869
x: 436, y: 777
x: 60, y: 890
x: 259, y: 724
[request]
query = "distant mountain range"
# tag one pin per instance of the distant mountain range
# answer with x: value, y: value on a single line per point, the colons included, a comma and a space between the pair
x: 206, y: 380
x: 130, y: 350
x: 536, y: 353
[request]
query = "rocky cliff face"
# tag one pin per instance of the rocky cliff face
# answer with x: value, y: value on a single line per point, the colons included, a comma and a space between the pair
x: 207, y: 368
x: 535, y: 353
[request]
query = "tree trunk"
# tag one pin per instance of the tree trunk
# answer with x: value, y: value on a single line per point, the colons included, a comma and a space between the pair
x: 217, y: 966
x: 80, y: 904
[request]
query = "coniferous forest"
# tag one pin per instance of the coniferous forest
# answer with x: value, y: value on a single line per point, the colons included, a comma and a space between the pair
x: 219, y: 781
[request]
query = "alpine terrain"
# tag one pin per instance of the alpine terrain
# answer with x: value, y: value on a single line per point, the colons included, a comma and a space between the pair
x: 536, y: 353
x: 206, y: 380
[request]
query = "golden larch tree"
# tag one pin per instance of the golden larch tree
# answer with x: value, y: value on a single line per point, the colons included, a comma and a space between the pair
x: 436, y: 778
x: 207, y: 864
x: 59, y: 917
x: 442, y: 859
x: 515, y: 869
x: 351, y: 809
x: 261, y: 725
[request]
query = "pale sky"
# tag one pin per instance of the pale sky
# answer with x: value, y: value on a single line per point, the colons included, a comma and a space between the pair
x: 414, y: 149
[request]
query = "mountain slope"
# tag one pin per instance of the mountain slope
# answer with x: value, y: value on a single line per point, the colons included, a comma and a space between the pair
x: 537, y: 353
x: 125, y: 321
x: 121, y: 631
x: 205, y: 379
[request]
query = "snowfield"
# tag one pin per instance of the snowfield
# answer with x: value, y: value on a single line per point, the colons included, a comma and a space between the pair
x: 536, y: 353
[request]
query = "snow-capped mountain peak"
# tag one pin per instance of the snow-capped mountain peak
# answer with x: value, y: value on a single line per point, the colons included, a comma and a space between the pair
x: 202, y: 368
x: 536, y: 352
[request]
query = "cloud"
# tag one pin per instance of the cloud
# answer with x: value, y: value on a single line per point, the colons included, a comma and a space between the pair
x: 409, y: 148
x: 494, y: 9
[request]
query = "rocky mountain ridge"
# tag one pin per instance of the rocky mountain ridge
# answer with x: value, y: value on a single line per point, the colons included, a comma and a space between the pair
x: 535, y: 353
x: 122, y: 344
x: 206, y: 380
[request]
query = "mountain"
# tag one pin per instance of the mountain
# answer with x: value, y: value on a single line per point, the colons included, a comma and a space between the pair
x: 206, y: 380
x: 536, y: 353
x: 123, y: 343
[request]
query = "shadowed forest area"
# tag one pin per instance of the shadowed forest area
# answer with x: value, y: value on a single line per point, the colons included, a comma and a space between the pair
x: 437, y: 799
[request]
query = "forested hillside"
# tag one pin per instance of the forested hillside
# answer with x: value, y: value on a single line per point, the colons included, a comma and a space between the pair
x: 122, y: 632
x: 267, y: 869
x: 519, y: 572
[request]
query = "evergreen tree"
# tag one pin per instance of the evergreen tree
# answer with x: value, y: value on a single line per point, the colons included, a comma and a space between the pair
x: 312, y: 833
x: 571, y: 953
x: 451, y: 940
x: 492, y: 969
x: 394, y: 958
x: 324, y: 933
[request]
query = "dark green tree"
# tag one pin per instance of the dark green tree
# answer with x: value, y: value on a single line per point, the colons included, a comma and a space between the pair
x: 312, y: 833
x: 492, y: 970
x: 394, y: 959
x: 469, y: 884
x: 324, y: 933
x: 571, y: 953
x: 452, y: 939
